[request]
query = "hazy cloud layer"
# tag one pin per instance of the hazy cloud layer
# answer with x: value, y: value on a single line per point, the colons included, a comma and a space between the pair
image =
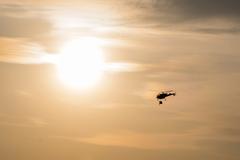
x: 188, y: 15
x: 120, y: 118
x: 20, y: 21
x: 23, y: 27
x: 204, y: 9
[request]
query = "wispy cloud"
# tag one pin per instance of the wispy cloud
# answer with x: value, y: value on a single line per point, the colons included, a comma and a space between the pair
x: 21, y: 21
x: 21, y: 51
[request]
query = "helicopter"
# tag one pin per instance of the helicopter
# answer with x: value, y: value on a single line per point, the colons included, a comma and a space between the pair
x: 165, y: 94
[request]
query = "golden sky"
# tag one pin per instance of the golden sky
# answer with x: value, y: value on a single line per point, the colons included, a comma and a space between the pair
x: 79, y: 79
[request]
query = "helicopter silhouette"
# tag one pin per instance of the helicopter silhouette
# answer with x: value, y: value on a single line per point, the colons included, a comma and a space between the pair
x: 165, y: 94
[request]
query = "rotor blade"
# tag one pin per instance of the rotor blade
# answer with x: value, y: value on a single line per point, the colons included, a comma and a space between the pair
x: 169, y: 91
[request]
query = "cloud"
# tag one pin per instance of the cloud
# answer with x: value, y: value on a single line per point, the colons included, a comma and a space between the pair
x: 186, y: 15
x: 17, y: 50
x: 204, y: 9
x: 19, y: 21
x: 141, y: 141
x: 191, y: 9
x: 26, y: 33
x: 23, y: 27
x: 21, y: 121
x: 218, y: 30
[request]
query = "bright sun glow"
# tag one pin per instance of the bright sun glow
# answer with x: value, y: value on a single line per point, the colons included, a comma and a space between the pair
x: 80, y: 63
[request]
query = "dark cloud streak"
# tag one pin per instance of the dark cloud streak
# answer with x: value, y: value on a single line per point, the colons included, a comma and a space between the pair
x: 187, y: 15
x: 208, y: 9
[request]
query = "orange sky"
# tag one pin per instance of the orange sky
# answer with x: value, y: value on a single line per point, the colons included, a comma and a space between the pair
x: 190, y: 46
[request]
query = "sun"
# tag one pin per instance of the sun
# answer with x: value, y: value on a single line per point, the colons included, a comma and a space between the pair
x: 80, y: 63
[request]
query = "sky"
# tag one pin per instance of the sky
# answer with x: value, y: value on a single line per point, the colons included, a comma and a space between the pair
x: 190, y: 46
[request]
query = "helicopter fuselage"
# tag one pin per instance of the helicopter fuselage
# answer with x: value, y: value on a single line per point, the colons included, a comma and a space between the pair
x: 164, y: 95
